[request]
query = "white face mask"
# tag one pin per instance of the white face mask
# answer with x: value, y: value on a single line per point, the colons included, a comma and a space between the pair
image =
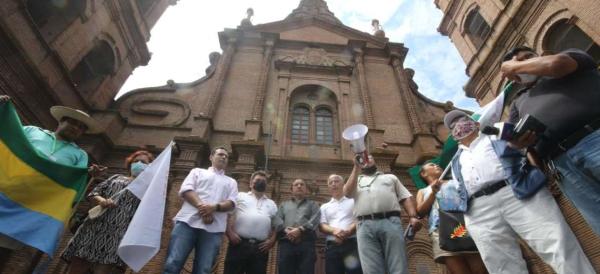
x: 527, y: 78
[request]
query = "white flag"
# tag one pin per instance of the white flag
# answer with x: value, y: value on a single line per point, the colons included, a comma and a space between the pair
x: 142, y: 239
x: 492, y: 112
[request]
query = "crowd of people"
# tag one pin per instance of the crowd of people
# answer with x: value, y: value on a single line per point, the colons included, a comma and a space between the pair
x: 500, y: 185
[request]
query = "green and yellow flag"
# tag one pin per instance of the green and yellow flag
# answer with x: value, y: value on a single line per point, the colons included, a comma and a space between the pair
x: 36, y: 194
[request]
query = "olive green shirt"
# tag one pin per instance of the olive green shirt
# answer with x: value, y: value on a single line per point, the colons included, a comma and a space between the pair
x: 378, y: 193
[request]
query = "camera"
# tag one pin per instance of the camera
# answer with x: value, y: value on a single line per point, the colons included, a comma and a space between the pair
x: 509, y: 132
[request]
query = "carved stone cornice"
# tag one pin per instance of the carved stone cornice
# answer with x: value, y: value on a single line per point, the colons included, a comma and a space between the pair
x: 447, y: 24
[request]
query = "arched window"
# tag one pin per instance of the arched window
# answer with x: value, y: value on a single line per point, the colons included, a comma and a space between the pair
x: 476, y: 28
x: 564, y: 35
x: 52, y: 17
x: 300, y: 124
x: 312, y: 117
x: 324, y: 126
x: 94, y: 67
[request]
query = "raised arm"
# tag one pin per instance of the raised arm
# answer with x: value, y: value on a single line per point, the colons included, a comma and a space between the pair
x: 424, y: 205
x: 350, y: 186
x: 555, y: 66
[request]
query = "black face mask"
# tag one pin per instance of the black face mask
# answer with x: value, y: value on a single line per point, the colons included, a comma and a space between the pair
x: 369, y: 170
x: 260, y: 185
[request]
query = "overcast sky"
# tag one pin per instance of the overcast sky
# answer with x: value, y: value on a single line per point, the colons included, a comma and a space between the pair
x: 187, y: 33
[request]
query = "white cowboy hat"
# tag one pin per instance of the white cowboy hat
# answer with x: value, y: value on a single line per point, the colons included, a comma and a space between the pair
x: 59, y: 112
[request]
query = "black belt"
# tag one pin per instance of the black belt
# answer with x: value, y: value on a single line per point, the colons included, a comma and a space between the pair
x: 380, y: 215
x: 251, y: 241
x: 334, y: 243
x: 489, y: 190
x: 573, y: 139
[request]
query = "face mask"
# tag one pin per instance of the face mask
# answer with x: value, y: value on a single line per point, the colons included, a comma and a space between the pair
x: 369, y: 170
x: 260, y: 185
x: 463, y: 128
x: 527, y: 78
x: 137, y: 168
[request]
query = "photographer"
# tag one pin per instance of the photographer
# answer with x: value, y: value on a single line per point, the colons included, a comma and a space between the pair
x: 563, y: 92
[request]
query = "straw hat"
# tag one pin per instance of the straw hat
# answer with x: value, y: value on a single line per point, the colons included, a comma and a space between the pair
x: 59, y: 112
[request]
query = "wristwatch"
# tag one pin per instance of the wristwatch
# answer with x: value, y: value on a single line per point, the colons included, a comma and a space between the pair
x: 218, y: 207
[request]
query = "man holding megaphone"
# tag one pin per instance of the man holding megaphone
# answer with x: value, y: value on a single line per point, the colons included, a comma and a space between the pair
x: 378, y: 197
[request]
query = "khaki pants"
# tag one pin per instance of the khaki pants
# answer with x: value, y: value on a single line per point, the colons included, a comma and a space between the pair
x: 497, y: 221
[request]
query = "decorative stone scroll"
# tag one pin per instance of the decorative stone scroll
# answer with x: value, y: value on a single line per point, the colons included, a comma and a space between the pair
x: 173, y: 112
x: 314, y: 57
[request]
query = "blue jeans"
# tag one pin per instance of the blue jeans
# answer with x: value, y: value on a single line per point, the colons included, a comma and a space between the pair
x: 580, y: 167
x: 381, y: 246
x: 185, y: 238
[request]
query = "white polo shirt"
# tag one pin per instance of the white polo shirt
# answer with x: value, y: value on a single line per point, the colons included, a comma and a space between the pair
x: 338, y: 214
x: 253, y: 216
x: 212, y: 186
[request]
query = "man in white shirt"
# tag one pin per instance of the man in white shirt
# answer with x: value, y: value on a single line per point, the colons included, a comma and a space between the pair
x: 339, y: 224
x: 250, y: 229
x: 208, y: 194
x: 496, y: 219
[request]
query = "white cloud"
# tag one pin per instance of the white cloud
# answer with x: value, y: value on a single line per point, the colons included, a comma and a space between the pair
x: 187, y: 33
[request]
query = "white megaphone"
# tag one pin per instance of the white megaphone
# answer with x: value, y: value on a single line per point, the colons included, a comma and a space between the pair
x: 356, y: 135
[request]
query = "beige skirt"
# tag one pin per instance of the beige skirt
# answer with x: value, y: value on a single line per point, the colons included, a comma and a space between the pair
x: 439, y: 254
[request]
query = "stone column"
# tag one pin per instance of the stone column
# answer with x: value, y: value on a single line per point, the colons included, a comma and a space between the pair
x: 405, y: 93
x: 247, y: 153
x: 221, y: 74
x: 425, y: 143
x: 280, y: 125
x: 357, y: 49
x: 261, y: 86
x: 253, y: 130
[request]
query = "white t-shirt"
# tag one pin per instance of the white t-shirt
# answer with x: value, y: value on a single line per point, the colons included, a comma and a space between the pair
x: 253, y: 216
x: 338, y: 214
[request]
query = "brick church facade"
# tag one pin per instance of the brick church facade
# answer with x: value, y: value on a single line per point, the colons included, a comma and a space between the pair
x: 484, y: 30
x: 277, y: 96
